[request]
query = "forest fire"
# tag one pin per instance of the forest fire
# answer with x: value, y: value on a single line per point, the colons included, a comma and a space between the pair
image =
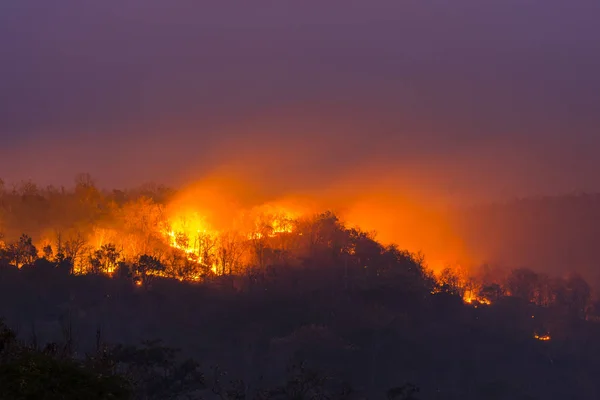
x: 476, y: 300
x: 543, y: 338
x: 459, y: 280
x: 195, y: 235
x: 271, y: 222
x: 470, y: 297
x: 214, y: 227
x: 191, y: 233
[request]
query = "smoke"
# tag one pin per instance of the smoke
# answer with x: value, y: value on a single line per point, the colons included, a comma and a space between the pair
x: 369, y: 198
x: 391, y: 114
x: 133, y: 91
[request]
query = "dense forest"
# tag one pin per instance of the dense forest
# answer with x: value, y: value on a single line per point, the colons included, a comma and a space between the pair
x: 117, y: 294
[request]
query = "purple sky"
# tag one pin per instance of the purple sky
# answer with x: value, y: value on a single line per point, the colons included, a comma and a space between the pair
x: 465, y: 97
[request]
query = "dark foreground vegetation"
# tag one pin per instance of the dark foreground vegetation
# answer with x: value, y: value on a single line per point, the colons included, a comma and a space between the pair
x: 352, y: 337
x: 327, y: 313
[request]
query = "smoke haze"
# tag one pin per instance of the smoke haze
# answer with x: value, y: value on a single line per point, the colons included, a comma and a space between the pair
x: 390, y: 112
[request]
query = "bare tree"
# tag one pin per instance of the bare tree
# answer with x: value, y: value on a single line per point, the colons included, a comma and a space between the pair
x: 229, y: 251
x: 84, y: 181
x: 258, y: 240
x: 73, y: 249
x: 523, y: 283
x: 206, y: 248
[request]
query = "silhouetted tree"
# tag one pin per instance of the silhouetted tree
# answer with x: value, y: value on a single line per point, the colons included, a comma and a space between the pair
x: 156, y: 372
x: 578, y: 295
x: 229, y: 250
x: 48, y: 253
x: 206, y: 244
x: 523, y: 283
x: 105, y: 259
x: 123, y: 270
x: 148, y: 266
x: 449, y: 282
x: 492, y: 292
x: 21, y: 252
x: 28, y: 373
x: 73, y: 249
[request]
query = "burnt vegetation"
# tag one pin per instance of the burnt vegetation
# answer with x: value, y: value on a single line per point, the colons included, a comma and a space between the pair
x: 317, y: 311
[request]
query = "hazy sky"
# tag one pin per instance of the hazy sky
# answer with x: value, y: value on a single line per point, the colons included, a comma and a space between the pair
x: 463, y: 97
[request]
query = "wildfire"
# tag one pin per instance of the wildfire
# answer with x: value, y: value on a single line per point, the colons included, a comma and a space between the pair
x: 201, y: 232
x: 459, y: 280
x: 190, y: 233
x: 543, y: 338
x: 470, y: 297
x: 204, y: 245
x: 271, y: 220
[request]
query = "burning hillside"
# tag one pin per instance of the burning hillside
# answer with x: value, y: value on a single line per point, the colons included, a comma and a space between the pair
x: 205, y: 231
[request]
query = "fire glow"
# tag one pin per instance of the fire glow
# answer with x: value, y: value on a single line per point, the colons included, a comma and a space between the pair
x: 191, y: 233
x: 543, y: 338
x: 470, y: 297
x: 216, y: 228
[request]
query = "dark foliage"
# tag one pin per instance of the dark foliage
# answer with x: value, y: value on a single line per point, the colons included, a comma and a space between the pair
x: 353, y: 317
x: 29, y: 373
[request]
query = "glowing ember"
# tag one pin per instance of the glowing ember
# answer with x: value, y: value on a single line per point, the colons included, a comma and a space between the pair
x: 472, y: 298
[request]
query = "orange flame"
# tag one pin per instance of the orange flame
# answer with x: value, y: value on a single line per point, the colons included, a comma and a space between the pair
x: 543, y: 338
x: 470, y: 297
